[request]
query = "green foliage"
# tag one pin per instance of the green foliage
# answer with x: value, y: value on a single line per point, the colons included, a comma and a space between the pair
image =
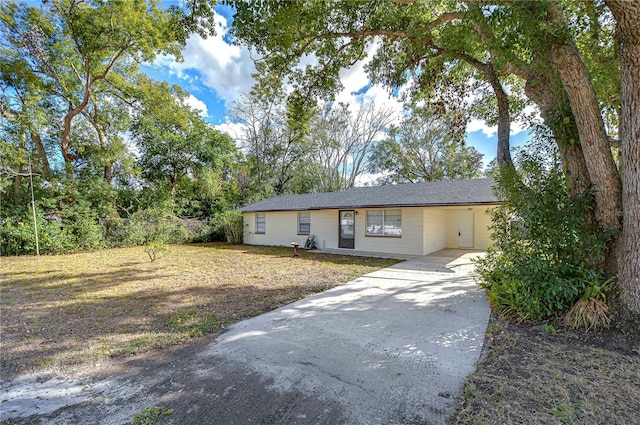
x: 232, y: 224
x: 549, y: 328
x: 181, y: 152
x: 547, y: 250
x: 75, y: 62
x: 18, y: 236
x: 80, y: 230
x: 591, y: 310
x: 80, y: 221
x: 151, y: 416
x: 154, y: 226
x: 425, y: 147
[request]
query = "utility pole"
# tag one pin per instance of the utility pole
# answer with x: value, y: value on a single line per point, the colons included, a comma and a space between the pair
x: 33, y: 208
x: 11, y: 172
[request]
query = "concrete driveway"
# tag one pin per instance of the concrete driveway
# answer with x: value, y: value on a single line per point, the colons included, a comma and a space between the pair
x: 391, y: 347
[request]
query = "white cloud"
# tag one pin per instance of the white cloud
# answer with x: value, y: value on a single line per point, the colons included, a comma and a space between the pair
x: 355, y: 80
x: 222, y: 67
x: 233, y: 129
x: 517, y: 126
x: 197, y: 104
x: 475, y: 125
x: 369, y: 179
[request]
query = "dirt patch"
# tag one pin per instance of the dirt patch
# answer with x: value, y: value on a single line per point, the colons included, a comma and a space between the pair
x: 69, y: 312
x: 529, y: 376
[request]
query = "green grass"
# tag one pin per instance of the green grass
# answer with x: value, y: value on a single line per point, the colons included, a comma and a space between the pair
x: 70, y: 310
x: 151, y: 416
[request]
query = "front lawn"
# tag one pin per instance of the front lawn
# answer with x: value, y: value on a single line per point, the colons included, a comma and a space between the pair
x: 71, y: 310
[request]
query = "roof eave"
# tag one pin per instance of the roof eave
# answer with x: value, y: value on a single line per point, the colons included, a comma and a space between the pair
x: 344, y: 207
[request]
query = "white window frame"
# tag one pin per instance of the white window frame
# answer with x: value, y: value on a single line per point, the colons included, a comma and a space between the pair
x: 306, y: 222
x: 382, y: 227
x: 261, y: 223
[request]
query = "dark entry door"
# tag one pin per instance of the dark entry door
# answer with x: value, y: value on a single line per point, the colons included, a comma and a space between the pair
x: 347, y: 229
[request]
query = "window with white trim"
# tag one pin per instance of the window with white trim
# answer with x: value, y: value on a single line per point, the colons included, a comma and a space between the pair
x: 261, y: 223
x: 304, y: 223
x: 384, y: 223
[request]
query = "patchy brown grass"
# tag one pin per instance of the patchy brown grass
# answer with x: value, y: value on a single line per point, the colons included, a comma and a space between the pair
x: 528, y: 376
x: 69, y: 310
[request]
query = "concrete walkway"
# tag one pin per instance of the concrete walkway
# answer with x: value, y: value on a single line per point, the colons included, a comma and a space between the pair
x: 391, y: 347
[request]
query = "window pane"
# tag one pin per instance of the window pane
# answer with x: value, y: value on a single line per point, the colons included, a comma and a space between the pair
x: 261, y: 222
x: 304, y: 223
x: 384, y: 223
x: 375, y: 221
x: 393, y: 222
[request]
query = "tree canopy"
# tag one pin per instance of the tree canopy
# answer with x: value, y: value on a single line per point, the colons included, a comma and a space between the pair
x: 423, y: 148
x: 101, y: 139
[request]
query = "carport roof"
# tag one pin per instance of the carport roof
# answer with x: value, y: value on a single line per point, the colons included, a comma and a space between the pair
x: 438, y: 193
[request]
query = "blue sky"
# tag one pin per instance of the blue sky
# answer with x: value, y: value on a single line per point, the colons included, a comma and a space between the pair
x: 217, y: 73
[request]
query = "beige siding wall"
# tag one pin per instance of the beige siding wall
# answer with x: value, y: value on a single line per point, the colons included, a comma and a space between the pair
x: 324, y: 225
x: 424, y: 230
x: 481, y: 223
x: 281, y: 228
x: 435, y: 230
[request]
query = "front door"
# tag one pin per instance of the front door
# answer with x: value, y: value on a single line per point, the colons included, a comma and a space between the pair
x: 347, y: 229
x: 465, y: 229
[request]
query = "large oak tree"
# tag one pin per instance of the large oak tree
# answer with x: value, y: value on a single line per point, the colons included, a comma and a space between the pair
x: 71, y: 58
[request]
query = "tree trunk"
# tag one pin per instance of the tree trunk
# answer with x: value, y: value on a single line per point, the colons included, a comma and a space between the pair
x: 627, y: 15
x: 555, y: 109
x: 17, y: 185
x: 108, y: 173
x: 65, y: 145
x: 602, y: 169
x: 99, y: 127
x: 504, y: 118
x: 503, y: 157
x: 174, y: 183
x: 46, y: 169
x: 18, y: 181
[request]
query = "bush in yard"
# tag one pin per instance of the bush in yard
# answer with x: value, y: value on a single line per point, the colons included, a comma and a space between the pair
x: 18, y: 236
x: 231, y: 223
x: 115, y: 231
x: 81, y: 222
x: 54, y: 238
x: 546, y: 251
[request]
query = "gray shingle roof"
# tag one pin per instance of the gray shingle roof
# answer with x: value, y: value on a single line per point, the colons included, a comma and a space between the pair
x: 439, y: 193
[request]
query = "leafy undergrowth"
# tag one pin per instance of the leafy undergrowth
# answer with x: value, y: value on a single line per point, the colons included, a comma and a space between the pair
x: 528, y: 376
x: 66, y: 311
